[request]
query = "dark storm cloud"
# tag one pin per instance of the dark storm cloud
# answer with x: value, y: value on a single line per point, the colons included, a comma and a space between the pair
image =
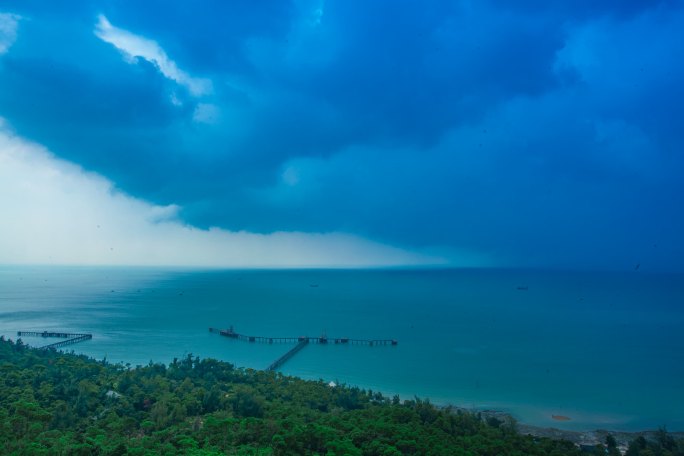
x: 585, y: 9
x: 411, y: 73
x: 536, y: 132
x: 207, y: 36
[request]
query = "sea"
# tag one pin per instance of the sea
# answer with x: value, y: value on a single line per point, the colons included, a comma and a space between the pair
x: 604, y: 349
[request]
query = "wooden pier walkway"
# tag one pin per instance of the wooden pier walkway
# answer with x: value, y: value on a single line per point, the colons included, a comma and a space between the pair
x: 301, y: 342
x: 71, y: 338
x: 280, y: 361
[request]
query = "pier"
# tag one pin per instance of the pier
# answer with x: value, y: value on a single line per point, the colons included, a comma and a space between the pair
x: 301, y: 342
x: 290, y: 340
x: 71, y: 338
x: 280, y: 361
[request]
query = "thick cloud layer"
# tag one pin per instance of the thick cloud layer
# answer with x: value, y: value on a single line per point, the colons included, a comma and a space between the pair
x: 55, y: 213
x: 535, y: 133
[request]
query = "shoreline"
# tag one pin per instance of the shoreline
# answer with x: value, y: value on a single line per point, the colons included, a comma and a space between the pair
x: 579, y: 438
x: 592, y: 438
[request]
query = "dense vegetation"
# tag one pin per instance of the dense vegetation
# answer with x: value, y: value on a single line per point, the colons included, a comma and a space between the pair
x: 53, y: 403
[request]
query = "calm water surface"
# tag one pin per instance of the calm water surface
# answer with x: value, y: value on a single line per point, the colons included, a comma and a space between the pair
x: 602, y: 348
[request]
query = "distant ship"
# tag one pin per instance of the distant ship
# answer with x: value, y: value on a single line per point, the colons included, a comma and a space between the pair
x: 522, y: 288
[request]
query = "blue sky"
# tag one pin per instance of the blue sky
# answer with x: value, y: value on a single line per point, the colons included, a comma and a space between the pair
x: 489, y: 133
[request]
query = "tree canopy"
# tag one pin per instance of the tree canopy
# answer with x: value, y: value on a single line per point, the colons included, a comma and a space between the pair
x: 54, y: 403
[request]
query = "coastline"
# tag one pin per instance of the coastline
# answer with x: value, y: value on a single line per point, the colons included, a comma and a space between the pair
x: 534, y: 348
x: 592, y: 438
x: 579, y: 438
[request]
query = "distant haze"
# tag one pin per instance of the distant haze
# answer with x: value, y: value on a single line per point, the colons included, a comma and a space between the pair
x: 55, y: 213
x: 343, y: 133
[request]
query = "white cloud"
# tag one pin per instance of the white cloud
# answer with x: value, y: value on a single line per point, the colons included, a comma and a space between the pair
x: 9, y: 23
x: 312, y: 11
x: 54, y: 212
x: 206, y: 113
x: 290, y: 176
x: 134, y: 46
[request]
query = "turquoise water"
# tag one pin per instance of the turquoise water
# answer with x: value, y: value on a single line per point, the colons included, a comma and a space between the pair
x: 604, y: 349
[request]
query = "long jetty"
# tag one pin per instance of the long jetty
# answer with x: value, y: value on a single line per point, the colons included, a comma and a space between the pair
x: 71, y: 338
x: 301, y: 341
x: 289, y: 340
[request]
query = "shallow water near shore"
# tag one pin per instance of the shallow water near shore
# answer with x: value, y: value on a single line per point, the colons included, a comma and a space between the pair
x: 600, y: 348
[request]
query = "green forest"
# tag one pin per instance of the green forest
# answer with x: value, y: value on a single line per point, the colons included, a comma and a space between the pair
x: 54, y: 403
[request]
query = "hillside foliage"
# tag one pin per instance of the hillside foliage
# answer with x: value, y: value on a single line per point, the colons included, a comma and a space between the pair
x: 53, y: 403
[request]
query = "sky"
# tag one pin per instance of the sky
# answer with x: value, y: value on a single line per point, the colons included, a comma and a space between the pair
x: 323, y: 133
